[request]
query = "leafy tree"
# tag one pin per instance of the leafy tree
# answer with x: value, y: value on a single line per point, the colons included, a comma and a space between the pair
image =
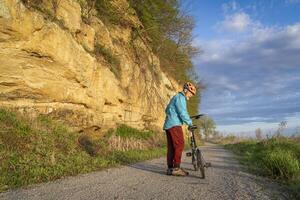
x: 170, y: 34
x: 207, y: 125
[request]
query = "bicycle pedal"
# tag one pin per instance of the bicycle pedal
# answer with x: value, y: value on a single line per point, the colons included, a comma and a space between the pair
x: 208, y: 164
x: 188, y: 154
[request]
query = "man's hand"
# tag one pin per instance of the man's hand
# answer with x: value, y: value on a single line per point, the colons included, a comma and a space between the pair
x: 192, y: 127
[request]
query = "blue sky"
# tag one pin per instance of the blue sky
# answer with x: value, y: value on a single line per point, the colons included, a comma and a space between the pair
x: 250, y: 62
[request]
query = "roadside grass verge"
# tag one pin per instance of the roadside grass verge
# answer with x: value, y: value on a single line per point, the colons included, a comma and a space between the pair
x: 277, y: 158
x: 42, y: 149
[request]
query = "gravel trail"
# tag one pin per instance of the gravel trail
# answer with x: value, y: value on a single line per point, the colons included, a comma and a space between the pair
x: 226, y: 179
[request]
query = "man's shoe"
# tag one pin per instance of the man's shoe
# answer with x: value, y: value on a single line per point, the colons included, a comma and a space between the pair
x: 169, y: 171
x: 186, y: 172
x: 178, y: 172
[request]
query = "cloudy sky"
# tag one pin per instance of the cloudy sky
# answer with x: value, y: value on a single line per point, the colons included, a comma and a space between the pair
x: 250, y: 62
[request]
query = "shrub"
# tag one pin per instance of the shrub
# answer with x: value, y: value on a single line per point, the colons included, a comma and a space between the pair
x: 114, y: 62
x: 32, y: 3
x: 109, y: 14
x: 90, y: 146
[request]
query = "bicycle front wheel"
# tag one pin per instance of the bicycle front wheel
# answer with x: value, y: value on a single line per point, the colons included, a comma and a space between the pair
x: 195, y: 162
x: 201, y: 163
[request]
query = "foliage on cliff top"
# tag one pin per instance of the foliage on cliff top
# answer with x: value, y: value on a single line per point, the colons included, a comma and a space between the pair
x: 170, y: 33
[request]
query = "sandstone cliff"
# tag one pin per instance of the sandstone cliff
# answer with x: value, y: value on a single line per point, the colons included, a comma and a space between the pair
x: 57, y: 66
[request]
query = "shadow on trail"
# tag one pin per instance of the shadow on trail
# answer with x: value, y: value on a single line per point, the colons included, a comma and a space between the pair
x: 155, y: 168
x: 159, y: 168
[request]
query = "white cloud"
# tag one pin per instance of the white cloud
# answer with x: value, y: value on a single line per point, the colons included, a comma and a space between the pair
x: 226, y: 83
x: 252, y: 71
x: 237, y: 22
x: 265, y: 46
x: 252, y: 78
x: 230, y: 6
x: 267, y: 127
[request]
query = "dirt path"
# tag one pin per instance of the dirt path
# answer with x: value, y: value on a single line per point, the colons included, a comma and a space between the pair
x: 147, y: 180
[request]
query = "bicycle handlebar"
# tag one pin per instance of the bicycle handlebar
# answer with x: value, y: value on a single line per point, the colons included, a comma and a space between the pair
x: 197, y: 116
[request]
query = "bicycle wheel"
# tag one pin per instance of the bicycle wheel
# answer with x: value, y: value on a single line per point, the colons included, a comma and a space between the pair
x: 201, y: 163
x: 195, y: 162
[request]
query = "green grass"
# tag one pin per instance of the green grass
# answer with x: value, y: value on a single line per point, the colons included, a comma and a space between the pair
x: 278, y: 158
x: 125, y: 131
x: 41, y: 149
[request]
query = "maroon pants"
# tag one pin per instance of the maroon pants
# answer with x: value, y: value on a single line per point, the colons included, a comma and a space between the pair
x: 175, y: 146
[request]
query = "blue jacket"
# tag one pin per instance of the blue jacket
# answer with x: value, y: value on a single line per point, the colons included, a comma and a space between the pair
x: 176, y: 112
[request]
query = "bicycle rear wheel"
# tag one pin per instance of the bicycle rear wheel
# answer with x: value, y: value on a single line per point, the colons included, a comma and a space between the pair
x: 201, y: 163
x: 195, y: 162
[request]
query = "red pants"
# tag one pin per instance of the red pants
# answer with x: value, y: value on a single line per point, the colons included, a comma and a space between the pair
x: 175, y: 146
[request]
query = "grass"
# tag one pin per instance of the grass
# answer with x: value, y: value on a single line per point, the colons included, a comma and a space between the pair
x: 42, y: 149
x: 278, y: 158
x: 125, y: 131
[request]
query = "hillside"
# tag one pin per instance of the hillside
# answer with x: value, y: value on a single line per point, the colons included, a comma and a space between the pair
x: 69, y: 60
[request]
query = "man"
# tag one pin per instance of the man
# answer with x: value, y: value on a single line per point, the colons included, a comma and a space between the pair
x: 176, y: 115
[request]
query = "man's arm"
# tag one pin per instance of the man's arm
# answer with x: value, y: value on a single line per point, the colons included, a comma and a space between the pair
x: 181, y: 109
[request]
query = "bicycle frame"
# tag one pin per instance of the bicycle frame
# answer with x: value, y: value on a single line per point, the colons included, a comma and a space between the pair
x: 196, y: 154
x: 193, y: 146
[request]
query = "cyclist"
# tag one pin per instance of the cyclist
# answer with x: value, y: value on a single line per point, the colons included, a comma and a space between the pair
x: 176, y: 115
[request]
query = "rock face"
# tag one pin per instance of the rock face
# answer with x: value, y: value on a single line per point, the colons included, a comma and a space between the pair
x: 89, y: 75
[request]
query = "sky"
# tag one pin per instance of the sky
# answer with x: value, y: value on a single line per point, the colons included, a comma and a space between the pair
x: 250, y: 62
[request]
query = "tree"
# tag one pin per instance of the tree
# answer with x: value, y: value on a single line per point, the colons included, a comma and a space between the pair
x: 207, y: 125
x: 281, y: 126
x: 258, y: 134
x: 55, y: 5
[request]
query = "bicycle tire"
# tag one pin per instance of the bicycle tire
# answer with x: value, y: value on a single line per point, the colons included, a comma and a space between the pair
x: 201, y: 163
x: 194, y: 162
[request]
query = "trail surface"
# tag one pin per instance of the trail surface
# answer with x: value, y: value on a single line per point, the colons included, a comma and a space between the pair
x: 226, y: 179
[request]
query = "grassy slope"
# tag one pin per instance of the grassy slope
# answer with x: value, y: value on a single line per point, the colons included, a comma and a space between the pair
x: 40, y: 150
x: 278, y: 158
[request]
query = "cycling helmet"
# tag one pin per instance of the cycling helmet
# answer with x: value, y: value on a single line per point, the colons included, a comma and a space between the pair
x: 190, y: 87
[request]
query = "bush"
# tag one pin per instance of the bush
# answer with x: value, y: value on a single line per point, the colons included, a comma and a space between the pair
x: 89, y: 145
x: 32, y: 3
x: 109, y: 14
x: 114, y: 62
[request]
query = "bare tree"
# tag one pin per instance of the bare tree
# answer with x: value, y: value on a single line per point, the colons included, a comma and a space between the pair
x: 55, y: 5
x: 258, y: 134
x: 281, y: 126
